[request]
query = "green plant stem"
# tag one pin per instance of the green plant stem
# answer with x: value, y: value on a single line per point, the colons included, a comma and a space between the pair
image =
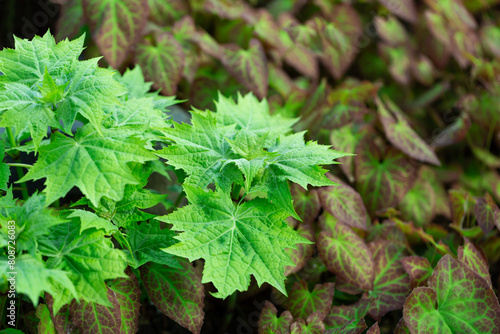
x: 179, y: 198
x: 19, y: 169
x: 123, y: 241
x: 15, y: 164
x: 231, y: 306
x: 236, y: 192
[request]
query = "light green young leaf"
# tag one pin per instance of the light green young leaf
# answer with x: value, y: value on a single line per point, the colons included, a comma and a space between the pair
x: 134, y: 81
x: 89, y: 257
x: 32, y: 221
x: 236, y: 241
x: 97, y: 165
x: 91, y: 220
x: 251, y: 114
x: 51, y: 92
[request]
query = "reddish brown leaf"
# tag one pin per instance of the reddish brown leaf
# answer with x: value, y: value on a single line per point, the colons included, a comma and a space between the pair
x: 303, y: 252
x: 382, y: 176
x: 401, y: 135
x: 419, y: 203
x: 346, y: 255
x: 475, y: 260
x: 70, y: 20
x: 392, y: 284
x: 405, y: 9
x: 269, y: 322
x: 344, y: 203
x: 249, y: 67
x: 375, y: 329
x: 485, y: 211
x: 314, y: 325
x: 128, y: 293
x: 178, y: 293
x: 461, y: 206
x: 401, y: 328
x: 418, y: 268
x: 348, y: 318
x: 306, y: 203
x: 116, y: 26
x: 162, y: 63
x: 165, y: 13
x: 62, y: 320
x: 93, y: 318
x: 302, y: 303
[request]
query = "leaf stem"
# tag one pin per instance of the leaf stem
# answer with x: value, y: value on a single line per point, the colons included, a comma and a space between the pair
x: 20, y: 172
x: 236, y: 191
x: 179, y: 198
x: 16, y: 164
x: 12, y: 139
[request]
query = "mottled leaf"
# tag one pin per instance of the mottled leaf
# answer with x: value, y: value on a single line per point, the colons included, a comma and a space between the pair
x: 116, y: 26
x: 485, y: 211
x: 375, y: 329
x: 45, y: 326
x: 314, y: 325
x: 475, y: 259
x: 302, y: 303
x: 178, y: 293
x: 93, y: 318
x: 162, y: 62
x: 346, y: 255
x: 405, y: 9
x: 127, y: 293
x: 344, y: 203
x: 303, y: 252
x: 305, y: 203
x: 419, y: 203
x: 418, y: 268
x: 382, y: 177
x: 456, y: 301
x: 249, y: 67
x: 269, y: 320
x: 392, y: 284
x: 400, y: 133
x: 348, y: 319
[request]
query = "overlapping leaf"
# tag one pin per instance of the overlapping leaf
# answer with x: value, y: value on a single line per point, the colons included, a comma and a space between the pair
x: 401, y: 135
x: 127, y: 293
x: 145, y: 242
x: 314, y: 325
x: 95, y: 164
x: 269, y: 322
x: 89, y: 258
x: 418, y: 205
x: 302, y: 303
x: 346, y: 319
x: 236, y: 242
x: 455, y: 301
x: 475, y: 260
x: 116, y: 26
x: 344, y: 203
x: 306, y: 203
x: 382, y: 177
x: 418, y: 268
x: 392, y: 284
x: 178, y: 293
x: 162, y: 63
x: 346, y: 255
x: 486, y: 212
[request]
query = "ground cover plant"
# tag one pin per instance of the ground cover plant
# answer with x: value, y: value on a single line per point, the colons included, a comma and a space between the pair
x: 401, y: 237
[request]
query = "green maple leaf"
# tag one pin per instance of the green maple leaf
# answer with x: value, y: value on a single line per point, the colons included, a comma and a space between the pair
x: 32, y: 221
x: 91, y: 220
x: 97, y: 165
x: 298, y: 162
x: 236, y: 241
x: 251, y: 114
x: 201, y: 151
x: 89, y: 257
x: 134, y: 82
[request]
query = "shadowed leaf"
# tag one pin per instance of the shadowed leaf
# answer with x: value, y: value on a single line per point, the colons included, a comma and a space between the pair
x: 269, y: 322
x: 303, y: 252
x: 167, y: 12
x: 347, y: 319
x: 62, y: 320
x: 302, y: 303
x: 405, y: 9
x: 382, y: 178
x: 45, y: 326
x: 375, y: 329
x: 419, y: 203
x: 485, y: 211
x: 314, y: 325
x: 178, y: 293
x: 418, y: 268
x: 305, y: 203
x: 401, y: 328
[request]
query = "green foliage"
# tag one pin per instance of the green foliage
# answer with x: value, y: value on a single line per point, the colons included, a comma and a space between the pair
x: 410, y: 90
